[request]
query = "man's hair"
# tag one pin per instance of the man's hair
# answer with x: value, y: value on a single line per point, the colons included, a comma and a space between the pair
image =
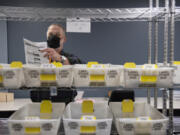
x: 60, y: 26
x: 55, y: 24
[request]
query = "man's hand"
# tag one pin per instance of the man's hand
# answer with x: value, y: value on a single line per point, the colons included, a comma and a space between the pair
x: 52, y: 54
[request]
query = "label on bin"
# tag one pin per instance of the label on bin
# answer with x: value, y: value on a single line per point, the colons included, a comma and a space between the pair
x: 88, y: 117
x: 73, y: 125
x: 47, y: 126
x: 83, y: 74
x: 133, y: 75
x: 17, y: 127
x: 33, y: 74
x: 102, y: 125
x: 64, y: 73
x: 97, y: 66
x: 112, y: 74
x: 157, y: 126
x: 48, y: 66
x: 9, y: 74
x: 128, y: 127
x: 164, y: 75
x: 32, y: 118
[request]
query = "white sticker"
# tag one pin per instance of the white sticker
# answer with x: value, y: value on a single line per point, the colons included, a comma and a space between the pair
x: 88, y: 117
x: 48, y: 66
x: 32, y: 118
x: 97, y: 66
x: 79, y: 25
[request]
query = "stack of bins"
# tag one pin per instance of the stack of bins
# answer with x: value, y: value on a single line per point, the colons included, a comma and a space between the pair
x: 30, y: 120
x: 94, y: 74
x: 47, y: 75
x: 11, y: 75
x: 97, y: 122
x: 147, y: 75
x: 144, y: 119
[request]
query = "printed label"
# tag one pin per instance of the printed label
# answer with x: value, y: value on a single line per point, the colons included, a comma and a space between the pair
x: 17, y: 127
x: 128, y: 127
x: 9, y: 74
x: 164, y: 75
x: 157, y: 126
x: 102, y: 125
x: 32, y: 118
x: 47, y: 126
x: 48, y: 66
x: 83, y: 74
x: 97, y: 66
x: 33, y: 74
x: 73, y: 125
x: 112, y: 74
x: 133, y: 75
x: 64, y: 73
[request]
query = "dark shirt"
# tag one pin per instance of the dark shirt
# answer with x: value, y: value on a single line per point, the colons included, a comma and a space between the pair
x: 72, y: 58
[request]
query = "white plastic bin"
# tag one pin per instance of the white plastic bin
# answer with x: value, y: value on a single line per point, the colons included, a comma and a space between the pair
x: 73, y: 123
x: 97, y: 75
x: 39, y: 76
x: 161, y: 77
x: 11, y: 77
x: 143, y: 120
x: 177, y: 73
x: 18, y: 124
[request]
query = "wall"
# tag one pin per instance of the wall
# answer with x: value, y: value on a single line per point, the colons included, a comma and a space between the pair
x: 3, y: 42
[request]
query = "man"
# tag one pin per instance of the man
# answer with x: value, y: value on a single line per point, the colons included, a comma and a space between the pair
x: 55, y: 39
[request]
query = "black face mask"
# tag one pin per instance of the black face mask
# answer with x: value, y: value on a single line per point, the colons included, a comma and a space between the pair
x: 53, y: 41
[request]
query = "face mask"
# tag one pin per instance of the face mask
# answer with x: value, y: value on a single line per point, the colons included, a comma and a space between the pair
x: 53, y: 41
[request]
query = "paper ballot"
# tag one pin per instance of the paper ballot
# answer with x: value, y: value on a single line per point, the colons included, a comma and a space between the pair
x: 32, y: 52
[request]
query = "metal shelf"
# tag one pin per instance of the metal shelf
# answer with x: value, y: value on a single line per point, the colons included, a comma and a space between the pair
x: 96, y: 14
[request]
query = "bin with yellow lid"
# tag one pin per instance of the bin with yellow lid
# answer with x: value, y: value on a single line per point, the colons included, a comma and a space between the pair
x: 94, y: 74
x: 11, y: 75
x: 147, y: 75
x: 176, y: 79
x: 87, y: 118
x: 28, y: 120
x: 45, y: 75
x: 138, y: 119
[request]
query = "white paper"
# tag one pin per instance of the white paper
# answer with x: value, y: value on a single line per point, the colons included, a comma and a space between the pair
x: 78, y: 25
x: 32, y: 52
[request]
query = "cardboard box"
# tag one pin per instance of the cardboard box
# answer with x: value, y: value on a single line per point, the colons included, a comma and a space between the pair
x: 9, y: 97
x: 6, y: 97
x: 2, y: 97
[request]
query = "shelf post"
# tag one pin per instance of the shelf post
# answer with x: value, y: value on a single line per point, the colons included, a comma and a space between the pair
x: 156, y: 51
x: 150, y: 46
x: 165, y: 61
x: 172, y: 41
